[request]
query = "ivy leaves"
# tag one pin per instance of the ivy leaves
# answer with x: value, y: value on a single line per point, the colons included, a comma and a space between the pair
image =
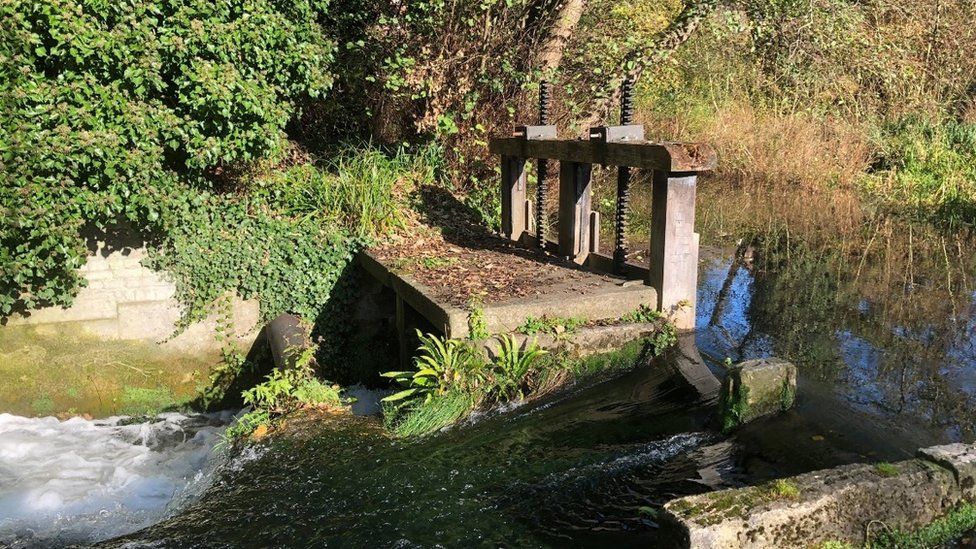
x: 120, y: 111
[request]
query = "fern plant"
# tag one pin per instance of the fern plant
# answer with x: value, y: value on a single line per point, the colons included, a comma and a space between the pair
x: 513, y: 365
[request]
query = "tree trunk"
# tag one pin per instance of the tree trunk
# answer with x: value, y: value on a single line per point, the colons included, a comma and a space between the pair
x: 566, y: 19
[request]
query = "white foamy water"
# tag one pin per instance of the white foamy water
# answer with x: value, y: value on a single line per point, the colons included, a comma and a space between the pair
x: 82, y: 481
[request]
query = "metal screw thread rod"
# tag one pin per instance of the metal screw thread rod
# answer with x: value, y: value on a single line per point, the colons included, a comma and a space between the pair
x: 542, y: 186
x: 623, y: 183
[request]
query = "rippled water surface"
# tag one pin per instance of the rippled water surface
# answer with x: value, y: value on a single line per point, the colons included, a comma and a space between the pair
x: 881, y: 324
x: 587, y: 468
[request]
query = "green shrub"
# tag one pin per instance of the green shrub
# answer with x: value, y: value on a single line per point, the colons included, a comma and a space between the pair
x: 244, y: 245
x: 113, y: 109
x: 285, y: 390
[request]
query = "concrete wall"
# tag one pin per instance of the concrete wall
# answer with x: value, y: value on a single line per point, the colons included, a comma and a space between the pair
x: 126, y: 301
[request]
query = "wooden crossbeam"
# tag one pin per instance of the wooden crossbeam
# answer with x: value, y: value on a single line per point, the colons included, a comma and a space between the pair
x: 668, y: 157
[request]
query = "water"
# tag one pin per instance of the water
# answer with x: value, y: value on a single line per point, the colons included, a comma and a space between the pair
x: 80, y: 481
x: 589, y: 468
x: 881, y: 323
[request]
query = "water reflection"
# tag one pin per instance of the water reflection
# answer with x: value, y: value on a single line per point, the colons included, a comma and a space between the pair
x: 882, y: 311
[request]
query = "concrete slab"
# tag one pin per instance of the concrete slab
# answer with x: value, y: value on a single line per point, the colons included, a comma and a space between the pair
x: 580, y: 294
x: 839, y: 504
x: 961, y: 460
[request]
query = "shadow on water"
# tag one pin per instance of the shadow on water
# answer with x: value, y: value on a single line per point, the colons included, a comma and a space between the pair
x: 883, y: 341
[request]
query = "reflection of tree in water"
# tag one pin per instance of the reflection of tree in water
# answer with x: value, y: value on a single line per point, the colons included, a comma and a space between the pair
x: 881, y: 308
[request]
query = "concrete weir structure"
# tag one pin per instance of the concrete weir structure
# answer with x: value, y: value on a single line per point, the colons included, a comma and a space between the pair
x: 597, y: 288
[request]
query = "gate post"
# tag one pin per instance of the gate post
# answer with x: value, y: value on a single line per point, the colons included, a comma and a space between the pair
x: 674, y: 246
x: 574, y: 210
x: 514, y: 220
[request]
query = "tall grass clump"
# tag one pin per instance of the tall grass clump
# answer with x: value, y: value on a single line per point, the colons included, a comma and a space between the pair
x: 432, y: 415
x: 361, y: 188
x: 927, y: 169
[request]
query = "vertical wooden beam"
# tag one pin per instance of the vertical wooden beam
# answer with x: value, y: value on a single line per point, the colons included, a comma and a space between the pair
x: 514, y: 222
x: 674, y: 246
x: 594, y: 232
x: 401, y: 328
x: 574, y: 210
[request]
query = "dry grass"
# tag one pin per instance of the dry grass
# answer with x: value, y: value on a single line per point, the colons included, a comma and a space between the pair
x: 758, y: 147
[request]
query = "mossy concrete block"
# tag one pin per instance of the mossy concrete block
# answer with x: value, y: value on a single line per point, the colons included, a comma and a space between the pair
x: 755, y: 389
x: 807, y: 510
x: 961, y: 460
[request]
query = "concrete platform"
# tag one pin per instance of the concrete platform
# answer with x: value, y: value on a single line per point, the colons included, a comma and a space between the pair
x: 578, y: 294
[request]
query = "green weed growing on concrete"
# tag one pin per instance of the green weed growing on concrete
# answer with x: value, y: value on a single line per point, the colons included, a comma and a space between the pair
x: 284, y: 391
x: 784, y: 488
x: 550, y: 325
x: 477, y: 325
x: 950, y: 527
x: 886, y: 469
x: 643, y: 313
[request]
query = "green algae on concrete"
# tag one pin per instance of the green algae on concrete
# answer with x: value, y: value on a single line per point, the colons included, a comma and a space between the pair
x: 754, y: 389
x: 832, y: 505
x: 47, y: 370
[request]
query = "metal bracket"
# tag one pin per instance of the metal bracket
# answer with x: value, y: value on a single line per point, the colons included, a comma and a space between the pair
x: 535, y: 132
x: 617, y: 134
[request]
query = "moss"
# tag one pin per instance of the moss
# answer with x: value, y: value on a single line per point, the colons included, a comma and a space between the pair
x: 886, y: 469
x: 835, y: 545
x: 784, y: 488
x: 145, y: 401
x: 43, y: 406
x: 44, y: 371
x: 733, y: 405
x: 717, y: 507
x: 624, y: 358
x: 787, y: 395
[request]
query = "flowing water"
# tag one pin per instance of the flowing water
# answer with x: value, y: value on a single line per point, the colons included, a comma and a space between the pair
x: 587, y: 468
x: 882, y: 328
x: 79, y: 481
